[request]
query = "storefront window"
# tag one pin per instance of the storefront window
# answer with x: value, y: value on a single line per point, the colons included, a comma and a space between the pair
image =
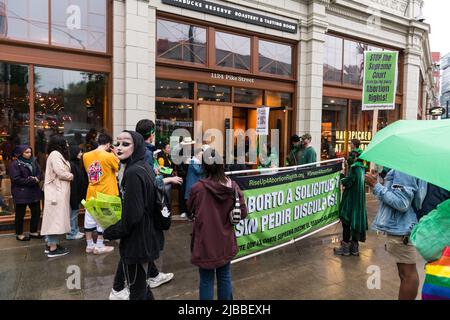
x: 213, y: 93
x: 332, y: 68
x: 14, y: 124
x: 248, y: 96
x: 171, y: 116
x: 361, y: 124
x: 334, y: 128
x: 387, y: 117
x: 275, y: 58
x: 24, y: 20
x: 232, y: 51
x: 353, y: 62
x: 67, y: 102
x: 174, y: 89
x: 183, y: 42
x: 278, y: 99
x: 80, y: 24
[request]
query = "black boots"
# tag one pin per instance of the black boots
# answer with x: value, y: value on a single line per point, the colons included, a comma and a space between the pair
x: 347, y: 249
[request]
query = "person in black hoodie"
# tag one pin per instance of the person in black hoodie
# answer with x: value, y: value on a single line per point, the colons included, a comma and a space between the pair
x: 139, y: 238
x: 78, y: 188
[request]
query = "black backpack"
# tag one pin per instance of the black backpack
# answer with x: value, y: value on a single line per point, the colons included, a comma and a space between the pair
x: 163, y: 216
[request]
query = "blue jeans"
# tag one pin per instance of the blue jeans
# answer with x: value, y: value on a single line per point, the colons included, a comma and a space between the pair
x: 224, y: 288
x: 73, y: 223
x: 52, y: 239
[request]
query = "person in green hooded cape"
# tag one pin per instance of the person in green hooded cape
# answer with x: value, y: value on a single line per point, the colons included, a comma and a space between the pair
x: 352, y: 211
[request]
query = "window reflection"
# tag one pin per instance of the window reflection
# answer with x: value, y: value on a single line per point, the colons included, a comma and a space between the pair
x: 361, y: 124
x: 248, y: 96
x: 334, y: 128
x: 14, y: 124
x: 80, y: 24
x: 174, y: 89
x: 67, y: 102
x: 278, y: 99
x: 213, y: 93
x: 387, y: 117
x: 275, y: 58
x: 24, y: 20
x: 332, y: 68
x: 171, y: 116
x: 232, y: 51
x: 178, y: 41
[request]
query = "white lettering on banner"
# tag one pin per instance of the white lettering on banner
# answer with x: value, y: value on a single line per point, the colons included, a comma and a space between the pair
x: 74, y: 20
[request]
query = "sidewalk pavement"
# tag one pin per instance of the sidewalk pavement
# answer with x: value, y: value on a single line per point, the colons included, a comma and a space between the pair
x: 304, y: 271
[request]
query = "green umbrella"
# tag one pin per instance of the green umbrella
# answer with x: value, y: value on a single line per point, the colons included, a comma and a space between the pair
x: 418, y: 148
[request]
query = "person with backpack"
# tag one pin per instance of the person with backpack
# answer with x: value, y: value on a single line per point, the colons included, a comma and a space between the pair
x: 400, y: 198
x: 146, y: 128
x: 137, y: 231
x: 213, y: 243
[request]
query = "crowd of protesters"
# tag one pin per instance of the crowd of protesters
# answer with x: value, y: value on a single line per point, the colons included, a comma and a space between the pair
x: 135, y: 169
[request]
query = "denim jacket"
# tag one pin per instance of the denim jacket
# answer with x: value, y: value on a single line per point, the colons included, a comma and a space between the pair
x: 396, y: 215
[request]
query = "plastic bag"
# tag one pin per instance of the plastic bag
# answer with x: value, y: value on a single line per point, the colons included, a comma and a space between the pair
x: 106, y: 210
x: 431, y: 235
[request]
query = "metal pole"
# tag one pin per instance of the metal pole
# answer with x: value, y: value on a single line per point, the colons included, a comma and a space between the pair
x: 447, y: 115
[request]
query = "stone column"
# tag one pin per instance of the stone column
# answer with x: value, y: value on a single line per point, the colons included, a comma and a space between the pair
x: 411, y: 80
x: 310, y: 70
x: 138, y: 104
x: 118, y: 78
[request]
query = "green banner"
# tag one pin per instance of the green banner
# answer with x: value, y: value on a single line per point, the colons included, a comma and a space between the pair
x: 380, y: 80
x: 287, y: 205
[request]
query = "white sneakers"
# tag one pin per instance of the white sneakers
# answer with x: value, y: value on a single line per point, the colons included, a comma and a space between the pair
x: 103, y: 249
x: 120, y: 295
x: 78, y: 236
x: 183, y: 215
x: 160, y: 279
x: 99, y: 250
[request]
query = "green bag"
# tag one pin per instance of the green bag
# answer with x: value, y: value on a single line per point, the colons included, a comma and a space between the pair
x: 432, y: 234
x: 106, y: 210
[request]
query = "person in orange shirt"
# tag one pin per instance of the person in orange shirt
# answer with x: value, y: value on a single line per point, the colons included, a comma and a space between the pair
x: 102, y: 166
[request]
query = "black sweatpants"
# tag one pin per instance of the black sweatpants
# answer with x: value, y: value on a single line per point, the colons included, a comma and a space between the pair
x: 136, y: 277
x: 35, y: 209
x: 119, y: 278
x: 347, y: 234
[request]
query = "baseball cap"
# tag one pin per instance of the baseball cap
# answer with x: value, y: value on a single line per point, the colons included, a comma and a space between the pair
x: 295, y: 138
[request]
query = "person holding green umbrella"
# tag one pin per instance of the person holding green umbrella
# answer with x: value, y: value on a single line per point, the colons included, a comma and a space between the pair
x: 353, y: 212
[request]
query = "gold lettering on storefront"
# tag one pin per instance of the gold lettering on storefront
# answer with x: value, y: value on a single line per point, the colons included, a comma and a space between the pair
x: 231, y: 77
x: 363, y: 136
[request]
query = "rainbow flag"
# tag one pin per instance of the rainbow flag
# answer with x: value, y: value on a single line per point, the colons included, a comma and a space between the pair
x: 437, y: 279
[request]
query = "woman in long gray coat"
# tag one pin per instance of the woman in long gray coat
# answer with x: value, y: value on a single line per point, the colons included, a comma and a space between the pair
x: 56, y: 217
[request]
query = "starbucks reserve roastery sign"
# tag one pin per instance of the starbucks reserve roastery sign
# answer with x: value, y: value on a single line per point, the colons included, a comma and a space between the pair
x: 234, y: 14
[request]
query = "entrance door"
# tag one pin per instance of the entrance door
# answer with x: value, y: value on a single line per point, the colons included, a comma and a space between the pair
x: 213, y: 117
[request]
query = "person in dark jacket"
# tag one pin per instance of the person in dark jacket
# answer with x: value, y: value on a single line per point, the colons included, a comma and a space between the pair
x: 435, y: 196
x: 139, y: 238
x: 78, y: 188
x: 213, y: 243
x: 146, y: 128
x: 25, y: 175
